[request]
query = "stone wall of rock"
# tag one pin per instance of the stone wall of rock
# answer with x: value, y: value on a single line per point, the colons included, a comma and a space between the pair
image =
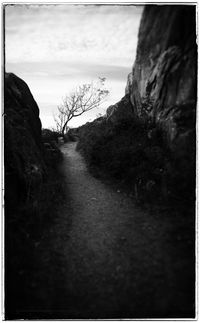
x: 162, y: 86
x: 120, y: 111
x: 161, y: 92
x: 24, y: 165
x: 163, y: 82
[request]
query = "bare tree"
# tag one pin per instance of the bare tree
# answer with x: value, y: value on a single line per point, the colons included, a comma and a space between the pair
x: 85, y: 98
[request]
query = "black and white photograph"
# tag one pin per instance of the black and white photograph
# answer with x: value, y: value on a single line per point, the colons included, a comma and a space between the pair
x: 99, y: 160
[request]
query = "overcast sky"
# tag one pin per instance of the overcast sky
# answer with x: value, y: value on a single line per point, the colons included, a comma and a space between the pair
x: 57, y: 47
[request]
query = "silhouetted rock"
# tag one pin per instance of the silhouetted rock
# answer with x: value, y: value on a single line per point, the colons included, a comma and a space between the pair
x: 24, y: 165
x: 120, y: 111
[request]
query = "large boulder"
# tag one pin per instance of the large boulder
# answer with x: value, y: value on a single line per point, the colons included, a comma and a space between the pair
x: 24, y: 165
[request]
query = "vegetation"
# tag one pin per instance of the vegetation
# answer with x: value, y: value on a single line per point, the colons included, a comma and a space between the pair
x: 50, y: 135
x: 135, y: 154
x: 85, y: 98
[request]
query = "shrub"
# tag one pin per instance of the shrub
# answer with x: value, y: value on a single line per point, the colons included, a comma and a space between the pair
x: 135, y: 153
x: 49, y: 135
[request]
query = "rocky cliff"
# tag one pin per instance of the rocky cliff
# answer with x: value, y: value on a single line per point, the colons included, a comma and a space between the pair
x: 162, y: 86
x: 150, y: 134
x: 163, y: 81
x: 24, y: 165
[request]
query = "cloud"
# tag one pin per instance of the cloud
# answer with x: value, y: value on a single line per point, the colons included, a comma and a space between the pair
x: 56, y: 47
x: 78, y: 69
x: 62, y: 32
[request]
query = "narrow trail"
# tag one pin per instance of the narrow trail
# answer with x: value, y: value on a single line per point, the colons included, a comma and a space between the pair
x: 106, y: 258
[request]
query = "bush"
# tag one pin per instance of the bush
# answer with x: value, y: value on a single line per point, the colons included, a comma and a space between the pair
x: 49, y: 135
x: 51, y: 152
x: 134, y: 153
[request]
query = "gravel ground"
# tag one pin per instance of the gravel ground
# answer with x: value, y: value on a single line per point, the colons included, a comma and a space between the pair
x: 106, y: 258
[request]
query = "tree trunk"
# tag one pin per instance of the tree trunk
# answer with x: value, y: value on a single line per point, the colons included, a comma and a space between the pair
x: 63, y: 133
x: 63, y: 130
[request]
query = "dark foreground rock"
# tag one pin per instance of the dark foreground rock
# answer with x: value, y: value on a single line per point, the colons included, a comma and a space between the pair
x: 24, y: 164
x: 32, y: 189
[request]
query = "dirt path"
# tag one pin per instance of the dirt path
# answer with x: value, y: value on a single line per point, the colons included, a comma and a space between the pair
x: 105, y: 258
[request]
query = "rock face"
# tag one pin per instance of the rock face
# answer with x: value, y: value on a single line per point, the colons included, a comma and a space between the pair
x: 162, y: 85
x: 120, y: 111
x: 160, y: 96
x: 24, y: 166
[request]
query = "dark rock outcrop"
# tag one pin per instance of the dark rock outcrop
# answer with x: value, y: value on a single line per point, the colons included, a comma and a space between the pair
x: 33, y: 191
x: 162, y: 86
x: 163, y: 81
x: 120, y: 111
x: 24, y: 165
